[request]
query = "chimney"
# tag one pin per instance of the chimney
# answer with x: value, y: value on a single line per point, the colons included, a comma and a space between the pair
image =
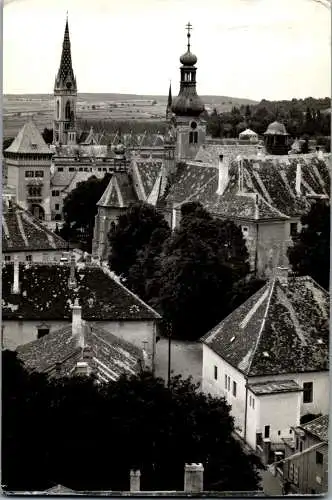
x: 82, y: 368
x: 223, y: 174
x: 298, y: 179
x: 16, y: 282
x: 320, y: 154
x: 135, y: 480
x: 282, y: 274
x: 193, y: 478
x: 77, y: 325
x: 72, y: 283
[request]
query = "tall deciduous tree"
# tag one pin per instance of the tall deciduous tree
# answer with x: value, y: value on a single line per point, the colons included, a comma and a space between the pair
x: 199, y: 265
x: 87, y: 437
x: 130, y: 237
x: 80, y: 208
x: 310, y: 254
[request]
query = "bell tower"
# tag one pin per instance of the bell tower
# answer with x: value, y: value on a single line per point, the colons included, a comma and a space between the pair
x: 65, y: 94
x: 188, y: 108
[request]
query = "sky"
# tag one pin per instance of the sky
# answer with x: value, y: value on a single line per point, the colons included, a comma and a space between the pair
x: 256, y: 49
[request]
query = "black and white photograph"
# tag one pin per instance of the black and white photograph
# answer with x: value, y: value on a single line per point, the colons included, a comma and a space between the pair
x: 165, y: 281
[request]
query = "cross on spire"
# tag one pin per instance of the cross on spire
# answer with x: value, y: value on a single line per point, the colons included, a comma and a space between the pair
x: 188, y: 27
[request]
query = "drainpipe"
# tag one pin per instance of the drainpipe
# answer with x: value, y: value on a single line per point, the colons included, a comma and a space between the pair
x: 245, y: 412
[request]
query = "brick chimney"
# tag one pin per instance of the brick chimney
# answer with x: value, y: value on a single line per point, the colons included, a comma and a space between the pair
x: 223, y: 175
x: 77, y: 324
x: 135, y: 480
x: 193, y: 478
x: 72, y: 283
x: 16, y: 281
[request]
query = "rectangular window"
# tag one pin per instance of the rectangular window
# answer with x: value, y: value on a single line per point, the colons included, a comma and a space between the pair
x: 215, y: 372
x: 8, y: 258
x: 71, y: 169
x: 191, y: 137
x: 279, y: 432
x: 225, y: 381
x: 28, y: 258
x: 267, y: 431
x: 55, y: 193
x: 249, y: 400
x: 319, y: 457
x: 253, y: 403
x: 80, y: 169
x: 57, y: 206
x: 229, y: 384
x: 29, y: 173
x: 86, y: 169
x: 307, y: 392
x: 60, y: 169
x: 39, y: 173
x: 293, y: 228
x: 234, y: 389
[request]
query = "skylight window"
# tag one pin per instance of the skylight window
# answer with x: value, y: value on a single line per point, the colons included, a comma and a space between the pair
x: 233, y: 338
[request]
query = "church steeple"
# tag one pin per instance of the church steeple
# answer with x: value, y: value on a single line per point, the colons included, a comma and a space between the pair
x: 188, y: 103
x: 65, y: 93
x: 188, y: 108
x: 65, y: 77
x: 169, y: 103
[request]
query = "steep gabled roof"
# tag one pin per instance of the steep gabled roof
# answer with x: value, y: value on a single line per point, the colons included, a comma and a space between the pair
x: 110, y: 356
x: 145, y: 174
x: 29, y: 140
x: 119, y: 192
x: 45, y: 295
x: 283, y: 328
x: 21, y: 231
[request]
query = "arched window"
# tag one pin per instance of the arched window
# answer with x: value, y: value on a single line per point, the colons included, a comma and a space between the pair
x: 191, y: 137
x: 195, y: 137
x: 67, y: 112
x: 58, y: 109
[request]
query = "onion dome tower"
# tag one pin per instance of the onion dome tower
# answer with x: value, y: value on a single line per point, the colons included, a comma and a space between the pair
x: 65, y: 94
x: 188, y: 107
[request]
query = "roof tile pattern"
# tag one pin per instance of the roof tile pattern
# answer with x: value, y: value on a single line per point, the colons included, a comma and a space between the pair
x: 23, y: 232
x: 109, y: 355
x: 148, y: 170
x: 272, y: 178
x: 283, y: 328
x: 119, y: 192
x: 319, y: 427
x: 44, y: 294
x: 29, y: 141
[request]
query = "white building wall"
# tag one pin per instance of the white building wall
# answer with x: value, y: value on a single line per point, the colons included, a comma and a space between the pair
x: 253, y: 418
x: 217, y: 387
x: 321, y: 389
x: 279, y: 411
x: 37, y: 256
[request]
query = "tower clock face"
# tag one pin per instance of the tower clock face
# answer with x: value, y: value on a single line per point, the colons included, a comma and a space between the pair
x: 68, y: 85
x: 193, y: 125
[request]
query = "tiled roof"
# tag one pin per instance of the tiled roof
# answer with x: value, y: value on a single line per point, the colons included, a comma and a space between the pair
x: 119, y: 192
x: 74, y: 179
x: 29, y: 140
x: 23, y: 232
x: 44, y: 294
x: 273, y: 387
x: 272, y: 178
x: 283, y: 328
x: 148, y: 171
x: 319, y: 427
x: 209, y: 153
x: 109, y: 355
x: 82, y: 150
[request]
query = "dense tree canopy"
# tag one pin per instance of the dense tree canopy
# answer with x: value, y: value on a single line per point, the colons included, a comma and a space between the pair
x: 302, y: 118
x: 130, y: 256
x: 86, y: 436
x: 199, y: 265
x: 310, y: 254
x: 80, y: 208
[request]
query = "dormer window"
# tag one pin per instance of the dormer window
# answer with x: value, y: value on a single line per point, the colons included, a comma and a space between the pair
x: 33, y: 146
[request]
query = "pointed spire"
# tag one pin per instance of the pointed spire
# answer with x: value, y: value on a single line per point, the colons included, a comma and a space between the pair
x: 169, y: 102
x: 66, y: 73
